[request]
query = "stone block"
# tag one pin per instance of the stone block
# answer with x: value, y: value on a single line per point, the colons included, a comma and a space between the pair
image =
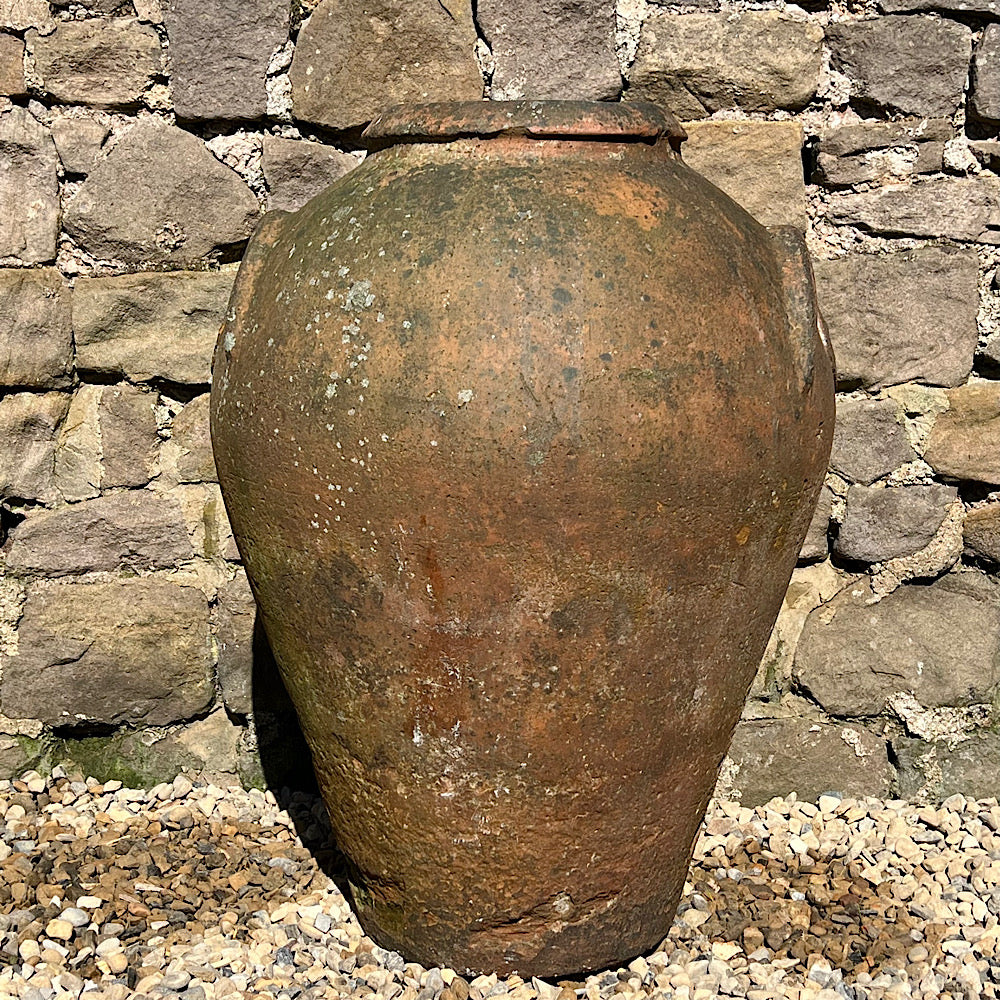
x: 151, y: 325
x: 235, y: 620
x: 11, y: 66
x: 36, y: 333
x: 160, y: 197
x: 816, y: 544
x: 77, y: 465
x: 29, y: 423
x: 958, y: 208
x: 104, y: 63
x: 964, y: 442
x: 940, y: 643
x: 773, y: 757
x: 985, y: 9
x: 935, y: 770
x: 28, y: 176
x: 296, y: 170
x: 132, y: 651
x: 136, y: 530
x: 984, y: 97
x: 78, y: 142
x: 882, y: 151
x: 869, y: 441
x: 883, y: 524
x: 901, y: 317
x: 758, y: 164
x: 913, y: 65
x: 696, y: 64
x: 190, y: 436
x: 219, y: 53
x: 354, y: 58
x: 551, y: 52
x: 981, y: 532
x: 208, y: 525
x: 23, y: 14
x: 129, y: 439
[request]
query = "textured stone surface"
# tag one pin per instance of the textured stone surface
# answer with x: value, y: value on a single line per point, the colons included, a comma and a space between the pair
x: 160, y: 197
x: 353, y: 59
x: 28, y: 164
x: 901, y: 317
x: 883, y: 524
x: 869, y: 441
x: 11, y: 66
x: 78, y: 142
x: 758, y: 164
x: 129, y: 440
x: 36, y: 337
x: 910, y: 64
x: 816, y: 544
x: 133, y: 651
x: 857, y: 154
x: 103, y: 63
x: 77, y: 467
x: 21, y: 14
x: 150, y: 326
x: 695, y: 64
x: 235, y: 616
x: 778, y: 756
x: 949, y: 207
x: 938, y: 771
x: 964, y: 8
x: 295, y: 170
x: 964, y: 442
x: 551, y: 52
x: 981, y: 531
x: 28, y: 426
x: 984, y: 98
x: 190, y: 435
x: 135, y: 530
x: 940, y: 643
x: 219, y: 52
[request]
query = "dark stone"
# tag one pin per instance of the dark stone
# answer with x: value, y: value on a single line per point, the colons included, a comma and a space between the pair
x: 78, y: 142
x: 134, y: 651
x: 778, y: 756
x: 869, y: 441
x: 28, y: 176
x: 964, y: 442
x: 36, y: 334
x: 129, y: 441
x: 937, y: 771
x: 816, y: 544
x: 160, y: 197
x: 883, y: 524
x: 235, y: 617
x: 902, y: 317
x: 135, y: 530
x: 939, y: 642
x: 695, y: 64
x: 982, y: 532
x: 219, y: 53
x: 984, y: 98
x: 296, y: 170
x: 28, y: 425
x: 353, y: 59
x: 547, y: 51
x: 912, y: 65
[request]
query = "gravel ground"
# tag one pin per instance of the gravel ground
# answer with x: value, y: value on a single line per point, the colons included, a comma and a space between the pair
x: 194, y: 891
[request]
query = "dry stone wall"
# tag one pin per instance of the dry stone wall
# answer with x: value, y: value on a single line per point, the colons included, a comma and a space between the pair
x: 142, y: 140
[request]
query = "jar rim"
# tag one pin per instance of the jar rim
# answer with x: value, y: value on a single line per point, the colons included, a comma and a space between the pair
x: 445, y: 121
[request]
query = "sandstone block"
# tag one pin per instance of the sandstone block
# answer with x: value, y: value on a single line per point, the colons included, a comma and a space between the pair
x: 11, y: 66
x: 235, y: 619
x: 982, y: 532
x: 135, y: 530
x: 129, y: 441
x: 150, y: 326
x: 778, y: 756
x: 869, y: 441
x: 987, y: 9
x: 354, y: 59
x: 883, y: 524
x: 28, y: 427
x: 937, y: 771
x: 161, y: 197
x: 296, y: 170
x: 551, y: 52
x: 940, y: 643
x: 964, y: 442
x: 914, y: 65
x: 816, y: 544
x: 78, y: 142
x: 195, y: 462
x: 758, y: 164
x: 106, y: 63
x: 984, y: 99
x: 219, y: 53
x: 28, y: 165
x: 36, y: 334
x: 901, y: 317
x: 77, y: 465
x: 949, y: 207
x: 22, y: 14
x: 134, y: 651
x: 696, y: 64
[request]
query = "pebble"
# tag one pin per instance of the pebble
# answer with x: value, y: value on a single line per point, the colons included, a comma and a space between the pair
x: 204, y: 893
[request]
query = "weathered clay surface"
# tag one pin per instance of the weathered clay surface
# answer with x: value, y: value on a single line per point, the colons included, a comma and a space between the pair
x: 965, y: 440
x: 491, y: 452
x: 36, y: 339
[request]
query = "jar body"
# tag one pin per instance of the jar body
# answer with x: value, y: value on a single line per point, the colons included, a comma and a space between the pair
x: 519, y: 443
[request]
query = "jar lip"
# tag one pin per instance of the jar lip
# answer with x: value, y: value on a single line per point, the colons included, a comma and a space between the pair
x: 446, y: 121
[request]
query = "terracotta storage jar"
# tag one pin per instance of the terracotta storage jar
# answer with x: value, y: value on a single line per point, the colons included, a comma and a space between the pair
x: 520, y: 426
